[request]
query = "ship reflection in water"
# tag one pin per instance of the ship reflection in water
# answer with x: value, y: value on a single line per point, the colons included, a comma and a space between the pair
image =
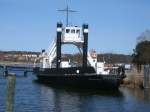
x: 70, y: 100
x: 34, y: 97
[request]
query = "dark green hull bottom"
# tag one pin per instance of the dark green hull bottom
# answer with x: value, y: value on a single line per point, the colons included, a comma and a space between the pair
x: 82, y: 81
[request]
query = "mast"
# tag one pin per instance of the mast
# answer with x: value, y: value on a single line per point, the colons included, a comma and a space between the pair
x: 67, y: 10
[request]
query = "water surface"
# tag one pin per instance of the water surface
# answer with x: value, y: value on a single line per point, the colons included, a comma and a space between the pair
x: 31, y: 96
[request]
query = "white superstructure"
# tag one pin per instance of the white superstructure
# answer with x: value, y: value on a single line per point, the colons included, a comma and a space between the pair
x: 70, y: 35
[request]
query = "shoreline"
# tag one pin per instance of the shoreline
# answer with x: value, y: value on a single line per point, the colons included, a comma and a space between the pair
x: 15, y: 63
x: 133, y: 79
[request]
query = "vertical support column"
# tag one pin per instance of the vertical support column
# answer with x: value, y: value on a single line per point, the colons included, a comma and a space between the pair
x: 58, y: 47
x: 85, y: 44
x: 5, y: 70
x: 10, y: 93
x: 44, y: 64
x: 146, y: 76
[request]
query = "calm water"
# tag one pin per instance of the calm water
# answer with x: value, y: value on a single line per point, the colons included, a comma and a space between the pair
x: 33, y: 97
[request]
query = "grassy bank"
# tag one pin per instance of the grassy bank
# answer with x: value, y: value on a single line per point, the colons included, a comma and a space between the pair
x: 134, y: 79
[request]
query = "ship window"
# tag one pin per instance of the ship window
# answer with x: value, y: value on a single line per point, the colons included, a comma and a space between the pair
x: 67, y: 30
x: 72, y: 31
x: 77, y: 31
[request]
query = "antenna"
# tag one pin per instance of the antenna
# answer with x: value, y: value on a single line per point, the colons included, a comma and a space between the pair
x: 67, y: 10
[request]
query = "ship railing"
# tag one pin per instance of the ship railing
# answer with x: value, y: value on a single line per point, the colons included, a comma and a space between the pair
x: 117, y: 70
x: 51, y: 48
x: 51, y: 51
x: 90, y: 61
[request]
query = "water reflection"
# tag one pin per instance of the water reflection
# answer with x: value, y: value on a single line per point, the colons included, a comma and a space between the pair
x: 146, y: 94
x: 79, y: 100
x: 136, y: 100
x: 35, y: 97
x: 139, y: 94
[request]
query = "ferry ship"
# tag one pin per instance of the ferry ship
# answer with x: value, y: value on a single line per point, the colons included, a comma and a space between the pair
x: 91, y: 74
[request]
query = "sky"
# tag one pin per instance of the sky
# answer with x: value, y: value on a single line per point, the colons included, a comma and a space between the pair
x: 114, y: 25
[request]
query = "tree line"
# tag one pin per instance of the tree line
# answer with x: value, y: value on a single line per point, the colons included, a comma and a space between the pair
x: 141, y: 53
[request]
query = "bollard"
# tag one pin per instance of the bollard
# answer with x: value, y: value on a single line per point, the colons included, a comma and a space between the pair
x: 146, y: 76
x: 10, y: 92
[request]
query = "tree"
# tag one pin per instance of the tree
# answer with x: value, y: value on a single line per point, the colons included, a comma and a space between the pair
x: 141, y: 53
x: 145, y: 36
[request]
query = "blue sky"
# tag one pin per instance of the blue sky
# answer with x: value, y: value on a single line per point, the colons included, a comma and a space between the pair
x: 114, y: 24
